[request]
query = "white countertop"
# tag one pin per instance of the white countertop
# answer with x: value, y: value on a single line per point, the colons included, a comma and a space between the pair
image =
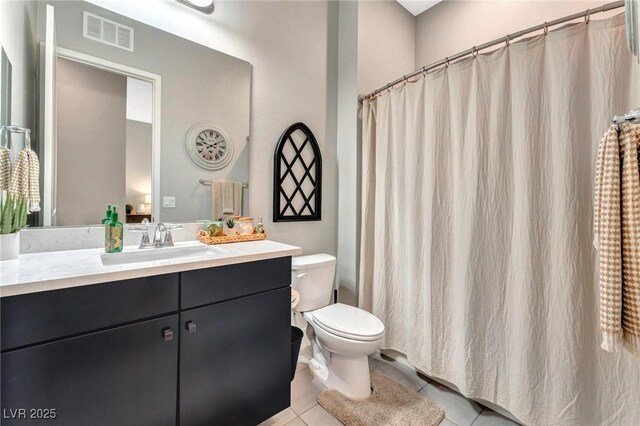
x: 36, y: 272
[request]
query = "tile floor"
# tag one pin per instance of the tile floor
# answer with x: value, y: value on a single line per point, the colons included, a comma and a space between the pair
x: 305, y: 410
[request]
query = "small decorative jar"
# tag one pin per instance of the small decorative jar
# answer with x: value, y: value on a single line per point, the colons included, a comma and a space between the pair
x: 244, y: 225
x: 215, y: 228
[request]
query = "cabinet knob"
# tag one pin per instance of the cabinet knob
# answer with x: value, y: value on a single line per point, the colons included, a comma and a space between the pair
x: 191, y: 327
x: 167, y: 333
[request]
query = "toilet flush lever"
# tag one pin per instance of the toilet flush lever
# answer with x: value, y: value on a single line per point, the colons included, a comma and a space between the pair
x: 191, y: 327
x: 302, y: 275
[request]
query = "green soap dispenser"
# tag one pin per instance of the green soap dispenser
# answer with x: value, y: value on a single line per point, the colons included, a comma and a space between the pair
x: 114, y: 234
x: 107, y: 216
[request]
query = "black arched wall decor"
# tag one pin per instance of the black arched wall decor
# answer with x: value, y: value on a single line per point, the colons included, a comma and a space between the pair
x: 297, y: 176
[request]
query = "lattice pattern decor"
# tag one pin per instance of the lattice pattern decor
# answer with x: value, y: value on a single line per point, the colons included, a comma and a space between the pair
x: 297, y: 178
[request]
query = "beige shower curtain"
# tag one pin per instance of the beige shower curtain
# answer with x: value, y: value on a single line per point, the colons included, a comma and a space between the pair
x: 477, y: 224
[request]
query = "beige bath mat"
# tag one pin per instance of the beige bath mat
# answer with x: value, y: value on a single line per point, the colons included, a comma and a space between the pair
x: 390, y: 404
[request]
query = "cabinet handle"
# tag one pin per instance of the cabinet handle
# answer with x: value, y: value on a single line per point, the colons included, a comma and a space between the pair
x: 167, y: 333
x: 191, y: 327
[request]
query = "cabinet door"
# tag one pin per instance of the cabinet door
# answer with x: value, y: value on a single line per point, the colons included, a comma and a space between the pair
x: 235, y: 360
x: 121, y: 376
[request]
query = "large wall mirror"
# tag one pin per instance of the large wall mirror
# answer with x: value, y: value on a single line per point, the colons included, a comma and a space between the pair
x: 122, y: 113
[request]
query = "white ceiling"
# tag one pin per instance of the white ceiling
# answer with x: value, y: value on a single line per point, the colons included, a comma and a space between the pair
x: 416, y: 7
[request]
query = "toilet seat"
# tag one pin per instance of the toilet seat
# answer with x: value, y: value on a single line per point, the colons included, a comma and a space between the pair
x: 348, y: 322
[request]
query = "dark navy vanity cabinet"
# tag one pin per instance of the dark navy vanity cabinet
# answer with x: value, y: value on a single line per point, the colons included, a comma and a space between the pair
x: 201, y: 347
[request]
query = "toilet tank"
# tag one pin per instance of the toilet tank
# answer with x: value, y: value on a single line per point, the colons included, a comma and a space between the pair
x: 312, y: 276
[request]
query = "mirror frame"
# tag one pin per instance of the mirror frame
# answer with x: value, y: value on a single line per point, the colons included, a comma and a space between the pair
x: 6, y: 71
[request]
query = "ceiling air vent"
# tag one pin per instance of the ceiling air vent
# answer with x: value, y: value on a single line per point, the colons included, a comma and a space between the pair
x: 108, y: 32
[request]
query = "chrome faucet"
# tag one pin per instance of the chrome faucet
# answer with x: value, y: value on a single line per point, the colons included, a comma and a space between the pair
x: 161, y: 237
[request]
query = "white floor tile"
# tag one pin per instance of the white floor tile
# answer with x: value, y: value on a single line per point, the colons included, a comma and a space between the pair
x: 304, y: 391
x: 318, y: 416
x: 401, y: 373
x: 280, y: 419
x: 296, y: 422
x: 458, y: 409
x: 489, y: 417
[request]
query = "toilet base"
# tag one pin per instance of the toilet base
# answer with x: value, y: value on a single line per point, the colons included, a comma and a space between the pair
x: 347, y: 374
x: 350, y: 375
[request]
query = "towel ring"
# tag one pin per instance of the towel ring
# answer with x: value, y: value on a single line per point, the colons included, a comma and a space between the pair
x: 17, y: 129
x: 27, y: 139
x: 4, y: 137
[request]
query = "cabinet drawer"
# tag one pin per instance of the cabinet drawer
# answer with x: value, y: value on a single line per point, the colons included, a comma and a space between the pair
x: 121, y: 376
x: 205, y: 286
x: 38, y: 317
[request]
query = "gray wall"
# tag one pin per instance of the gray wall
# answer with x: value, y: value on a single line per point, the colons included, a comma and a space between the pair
x: 376, y: 46
x: 453, y: 26
x: 386, y: 43
x: 198, y: 84
x: 138, y: 167
x: 91, y: 143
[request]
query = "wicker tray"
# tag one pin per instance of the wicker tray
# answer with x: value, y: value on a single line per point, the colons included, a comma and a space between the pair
x: 203, y: 237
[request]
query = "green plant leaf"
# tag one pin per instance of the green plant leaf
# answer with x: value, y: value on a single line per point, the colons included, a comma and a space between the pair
x: 13, y: 213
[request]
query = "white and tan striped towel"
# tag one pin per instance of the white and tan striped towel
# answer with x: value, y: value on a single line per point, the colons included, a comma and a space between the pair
x: 617, y: 237
x: 5, y: 168
x: 25, y: 178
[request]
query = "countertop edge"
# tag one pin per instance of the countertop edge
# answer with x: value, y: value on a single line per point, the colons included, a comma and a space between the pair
x: 142, y: 271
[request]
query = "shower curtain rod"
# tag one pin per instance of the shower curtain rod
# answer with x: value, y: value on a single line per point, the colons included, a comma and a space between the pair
x: 506, y: 39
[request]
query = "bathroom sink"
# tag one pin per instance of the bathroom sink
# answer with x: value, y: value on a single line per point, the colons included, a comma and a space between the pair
x: 152, y: 254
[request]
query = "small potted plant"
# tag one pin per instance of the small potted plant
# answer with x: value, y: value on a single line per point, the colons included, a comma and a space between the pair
x: 13, y: 217
x: 231, y: 223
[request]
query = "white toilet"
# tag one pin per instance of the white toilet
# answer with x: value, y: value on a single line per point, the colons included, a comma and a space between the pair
x: 342, y: 336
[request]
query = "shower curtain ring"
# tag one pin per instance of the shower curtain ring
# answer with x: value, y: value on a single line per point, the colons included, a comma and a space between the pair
x: 446, y: 62
x: 546, y: 29
x: 587, y: 17
x: 424, y: 71
x: 508, y: 41
x: 474, y: 52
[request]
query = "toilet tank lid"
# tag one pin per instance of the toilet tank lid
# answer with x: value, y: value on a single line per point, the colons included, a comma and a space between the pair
x: 312, y: 261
